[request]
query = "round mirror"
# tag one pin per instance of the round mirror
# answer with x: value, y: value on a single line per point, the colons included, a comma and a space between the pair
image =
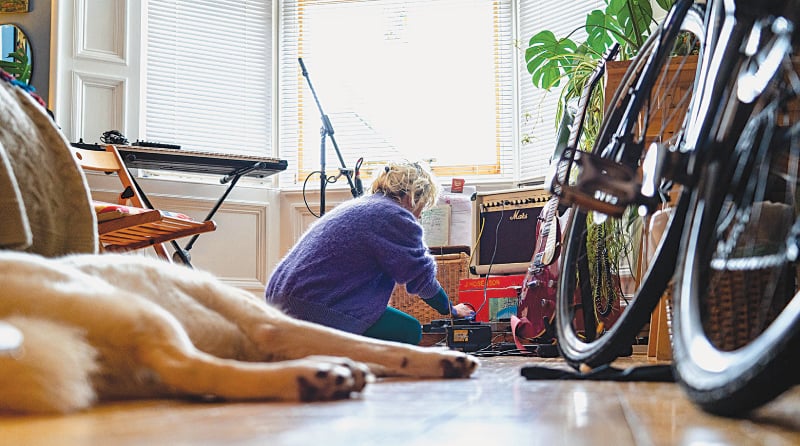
x: 15, y: 53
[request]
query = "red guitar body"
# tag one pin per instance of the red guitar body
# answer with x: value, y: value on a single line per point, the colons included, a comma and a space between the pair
x: 537, y: 305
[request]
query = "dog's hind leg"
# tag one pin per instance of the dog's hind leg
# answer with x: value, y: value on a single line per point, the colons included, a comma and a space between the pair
x: 192, y: 372
x: 266, y: 333
x: 159, y: 345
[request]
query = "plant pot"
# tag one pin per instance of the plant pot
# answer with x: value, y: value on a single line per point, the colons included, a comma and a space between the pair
x: 672, y: 107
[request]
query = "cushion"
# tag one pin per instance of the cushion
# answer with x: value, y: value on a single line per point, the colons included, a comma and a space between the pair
x: 52, y: 188
x: 110, y: 211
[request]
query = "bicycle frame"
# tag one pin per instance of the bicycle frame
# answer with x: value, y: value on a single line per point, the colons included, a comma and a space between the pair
x: 608, y: 181
x: 722, y: 32
x: 726, y: 35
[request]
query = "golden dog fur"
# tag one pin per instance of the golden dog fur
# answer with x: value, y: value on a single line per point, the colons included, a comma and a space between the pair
x: 104, y: 327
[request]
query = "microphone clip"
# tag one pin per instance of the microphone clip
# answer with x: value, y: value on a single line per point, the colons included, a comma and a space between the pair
x: 343, y: 172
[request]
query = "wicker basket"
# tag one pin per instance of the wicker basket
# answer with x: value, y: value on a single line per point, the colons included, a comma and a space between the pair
x: 734, y: 314
x: 451, y: 268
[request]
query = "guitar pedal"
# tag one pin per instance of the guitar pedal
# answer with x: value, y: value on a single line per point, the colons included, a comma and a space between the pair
x: 469, y: 336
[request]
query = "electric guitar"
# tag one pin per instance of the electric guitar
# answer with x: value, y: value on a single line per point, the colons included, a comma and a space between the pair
x: 537, y: 304
x: 536, y: 309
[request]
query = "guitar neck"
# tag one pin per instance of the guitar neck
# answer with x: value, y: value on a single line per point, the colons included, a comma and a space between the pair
x: 586, y: 95
x: 550, y: 243
x: 548, y: 219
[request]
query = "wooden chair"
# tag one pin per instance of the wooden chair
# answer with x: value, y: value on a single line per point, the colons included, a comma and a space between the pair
x: 131, y: 224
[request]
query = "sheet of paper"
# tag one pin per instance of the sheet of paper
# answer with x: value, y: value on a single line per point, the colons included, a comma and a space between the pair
x: 436, y: 225
x: 460, y: 216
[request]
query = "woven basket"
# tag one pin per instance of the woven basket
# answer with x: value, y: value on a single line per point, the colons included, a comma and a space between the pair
x: 734, y: 314
x: 451, y: 268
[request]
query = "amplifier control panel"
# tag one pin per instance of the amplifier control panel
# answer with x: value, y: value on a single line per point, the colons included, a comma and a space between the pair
x: 528, y: 197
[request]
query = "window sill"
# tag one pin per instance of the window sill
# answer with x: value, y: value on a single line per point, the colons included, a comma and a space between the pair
x: 312, y: 186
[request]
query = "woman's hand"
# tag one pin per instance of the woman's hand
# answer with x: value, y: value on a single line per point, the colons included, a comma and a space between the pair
x: 463, y: 311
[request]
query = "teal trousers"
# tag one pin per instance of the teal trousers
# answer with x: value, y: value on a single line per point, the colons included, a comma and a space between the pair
x: 394, y: 325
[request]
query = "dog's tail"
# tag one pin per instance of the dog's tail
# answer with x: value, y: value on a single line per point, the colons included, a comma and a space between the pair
x: 50, y: 372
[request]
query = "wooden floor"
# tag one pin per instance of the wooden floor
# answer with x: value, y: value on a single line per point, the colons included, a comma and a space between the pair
x: 497, y: 406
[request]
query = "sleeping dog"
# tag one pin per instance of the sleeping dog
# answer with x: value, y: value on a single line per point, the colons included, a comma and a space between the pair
x: 88, y: 328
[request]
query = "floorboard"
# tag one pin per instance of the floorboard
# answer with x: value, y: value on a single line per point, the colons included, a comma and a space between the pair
x: 497, y: 406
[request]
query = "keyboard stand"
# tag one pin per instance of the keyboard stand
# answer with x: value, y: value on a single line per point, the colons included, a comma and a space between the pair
x: 182, y: 255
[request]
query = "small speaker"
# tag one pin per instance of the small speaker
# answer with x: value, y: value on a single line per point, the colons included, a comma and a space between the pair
x: 508, y: 219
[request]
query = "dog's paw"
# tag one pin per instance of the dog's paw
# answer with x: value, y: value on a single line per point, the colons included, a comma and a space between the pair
x: 458, y: 365
x: 332, y: 378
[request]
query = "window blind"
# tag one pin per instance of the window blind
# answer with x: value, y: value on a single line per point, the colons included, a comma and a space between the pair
x: 209, y: 74
x: 537, y: 107
x: 399, y: 79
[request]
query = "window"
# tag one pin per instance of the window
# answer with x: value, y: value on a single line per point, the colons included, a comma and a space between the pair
x: 537, y: 111
x: 399, y: 79
x: 209, y: 74
x: 415, y: 79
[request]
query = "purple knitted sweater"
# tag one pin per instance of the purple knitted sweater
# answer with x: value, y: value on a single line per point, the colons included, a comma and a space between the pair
x: 342, y: 270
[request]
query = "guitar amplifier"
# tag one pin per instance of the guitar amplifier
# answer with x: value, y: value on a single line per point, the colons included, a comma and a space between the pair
x: 505, y: 229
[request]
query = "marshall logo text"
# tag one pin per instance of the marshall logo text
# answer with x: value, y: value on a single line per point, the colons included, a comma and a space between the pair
x: 518, y: 215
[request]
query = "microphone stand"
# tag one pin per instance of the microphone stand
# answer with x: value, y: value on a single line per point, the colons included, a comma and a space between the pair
x: 327, y: 131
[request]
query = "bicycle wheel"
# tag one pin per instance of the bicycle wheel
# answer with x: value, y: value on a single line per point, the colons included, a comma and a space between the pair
x: 736, y: 329
x: 604, y: 296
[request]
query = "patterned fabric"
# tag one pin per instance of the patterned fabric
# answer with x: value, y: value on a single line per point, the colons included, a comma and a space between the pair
x: 45, y: 193
x: 109, y: 211
x: 29, y: 88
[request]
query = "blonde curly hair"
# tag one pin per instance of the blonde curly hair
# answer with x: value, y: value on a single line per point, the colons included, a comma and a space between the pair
x: 397, y: 180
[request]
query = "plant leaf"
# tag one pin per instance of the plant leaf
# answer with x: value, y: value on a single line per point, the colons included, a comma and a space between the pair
x: 602, y: 30
x: 548, y: 58
x: 665, y: 4
x: 18, y: 66
x: 634, y: 17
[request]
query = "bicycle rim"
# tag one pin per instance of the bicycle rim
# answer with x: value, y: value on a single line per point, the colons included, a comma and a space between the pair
x: 737, y: 323
x: 605, y: 296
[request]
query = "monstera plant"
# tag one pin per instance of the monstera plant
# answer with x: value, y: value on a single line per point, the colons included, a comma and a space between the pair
x: 562, y: 62
x: 19, y: 66
x: 554, y: 61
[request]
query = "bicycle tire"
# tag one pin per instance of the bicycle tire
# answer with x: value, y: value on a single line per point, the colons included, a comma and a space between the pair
x: 736, y: 260
x: 600, y: 335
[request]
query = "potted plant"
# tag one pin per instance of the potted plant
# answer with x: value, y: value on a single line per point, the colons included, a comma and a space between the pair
x: 562, y: 62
